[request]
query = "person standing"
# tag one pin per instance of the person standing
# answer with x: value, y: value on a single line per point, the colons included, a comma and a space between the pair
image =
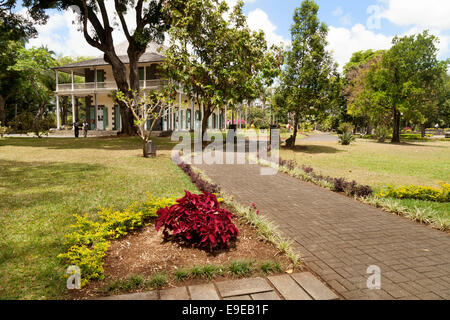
x: 85, y: 128
x: 76, y: 129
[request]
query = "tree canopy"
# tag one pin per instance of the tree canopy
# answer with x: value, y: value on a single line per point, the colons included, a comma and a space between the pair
x: 218, y: 60
x: 402, y: 82
x: 307, y: 81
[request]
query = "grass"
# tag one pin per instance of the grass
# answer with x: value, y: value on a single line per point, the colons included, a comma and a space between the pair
x: 158, y: 280
x: 376, y: 164
x: 379, y: 164
x: 240, y: 269
x: 270, y: 267
x: 43, y: 182
x: 233, y: 269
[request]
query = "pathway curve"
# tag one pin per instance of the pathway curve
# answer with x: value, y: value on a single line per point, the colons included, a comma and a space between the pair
x: 321, y: 137
x: 339, y: 238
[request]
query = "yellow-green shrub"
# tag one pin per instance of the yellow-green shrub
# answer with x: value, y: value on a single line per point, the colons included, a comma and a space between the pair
x: 88, y: 243
x: 417, y: 192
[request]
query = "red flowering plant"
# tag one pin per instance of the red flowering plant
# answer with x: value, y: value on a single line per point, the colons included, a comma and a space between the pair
x: 198, y: 219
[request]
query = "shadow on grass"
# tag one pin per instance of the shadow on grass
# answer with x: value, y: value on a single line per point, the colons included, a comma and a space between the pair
x: 17, y: 177
x: 315, y: 149
x: 410, y: 143
x: 105, y: 143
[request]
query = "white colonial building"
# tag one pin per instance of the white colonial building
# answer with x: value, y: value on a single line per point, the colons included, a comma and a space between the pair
x: 98, y: 86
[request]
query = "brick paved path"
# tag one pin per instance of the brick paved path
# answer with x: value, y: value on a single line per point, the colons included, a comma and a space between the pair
x: 339, y: 237
x: 297, y: 286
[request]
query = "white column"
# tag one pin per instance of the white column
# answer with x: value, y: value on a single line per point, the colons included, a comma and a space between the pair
x: 145, y: 77
x: 246, y: 117
x: 96, y: 110
x: 192, y: 115
x: 95, y: 78
x: 57, y: 82
x: 73, y: 111
x: 225, y: 118
x: 71, y: 77
x: 179, y: 124
x: 218, y: 119
x: 58, y: 118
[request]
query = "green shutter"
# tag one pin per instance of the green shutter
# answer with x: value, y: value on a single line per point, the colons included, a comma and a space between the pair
x: 181, y: 120
x: 92, y: 117
x: 100, y: 76
x: 141, y: 73
x: 105, y: 117
x: 188, y: 118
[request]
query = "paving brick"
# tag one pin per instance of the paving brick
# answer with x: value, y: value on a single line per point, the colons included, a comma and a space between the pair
x: 339, y: 237
x: 288, y: 288
x: 150, y: 295
x: 174, y: 294
x: 314, y: 287
x: 203, y: 292
x: 271, y: 295
x: 244, y: 297
x: 242, y: 287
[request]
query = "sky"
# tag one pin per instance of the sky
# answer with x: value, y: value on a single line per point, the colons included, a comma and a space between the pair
x: 353, y: 25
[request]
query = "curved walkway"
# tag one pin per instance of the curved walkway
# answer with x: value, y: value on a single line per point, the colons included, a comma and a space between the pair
x: 339, y: 238
x: 321, y: 137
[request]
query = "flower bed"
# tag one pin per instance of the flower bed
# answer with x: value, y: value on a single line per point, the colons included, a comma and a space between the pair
x: 417, y: 192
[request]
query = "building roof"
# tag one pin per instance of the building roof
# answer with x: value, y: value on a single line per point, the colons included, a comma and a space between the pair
x: 146, y: 57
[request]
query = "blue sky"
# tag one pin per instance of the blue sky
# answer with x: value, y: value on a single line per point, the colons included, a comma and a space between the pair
x: 353, y: 24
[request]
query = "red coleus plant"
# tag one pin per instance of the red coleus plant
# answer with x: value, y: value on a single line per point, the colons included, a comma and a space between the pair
x: 198, y: 219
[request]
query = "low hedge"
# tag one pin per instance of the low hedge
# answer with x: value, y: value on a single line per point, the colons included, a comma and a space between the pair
x: 417, y: 192
x: 89, y: 242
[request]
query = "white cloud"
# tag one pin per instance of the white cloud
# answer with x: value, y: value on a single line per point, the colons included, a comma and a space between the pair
x: 434, y: 14
x: 343, y: 42
x: 63, y: 36
x: 259, y: 20
x: 338, y: 12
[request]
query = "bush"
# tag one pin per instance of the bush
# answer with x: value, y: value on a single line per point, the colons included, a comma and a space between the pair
x: 346, y: 138
x: 199, y: 182
x: 381, y: 133
x: 351, y: 188
x: 26, y: 122
x: 418, y: 192
x: 198, y: 219
x: 335, y: 184
x: 345, y: 127
x: 88, y: 244
x: 3, y: 130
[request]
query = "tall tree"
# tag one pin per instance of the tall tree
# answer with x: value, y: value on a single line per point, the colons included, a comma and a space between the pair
x: 10, y: 80
x: 218, y: 61
x: 405, y: 83
x: 360, y: 101
x: 97, y: 22
x: 306, y: 87
x: 35, y: 65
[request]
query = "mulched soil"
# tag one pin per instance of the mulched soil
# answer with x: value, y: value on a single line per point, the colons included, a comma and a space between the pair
x: 145, y: 253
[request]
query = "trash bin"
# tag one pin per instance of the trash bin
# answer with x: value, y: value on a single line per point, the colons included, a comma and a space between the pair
x: 151, y: 149
x: 273, y: 128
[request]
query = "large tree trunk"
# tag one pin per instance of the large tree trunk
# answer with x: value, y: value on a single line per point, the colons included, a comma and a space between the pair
x: 120, y: 76
x: 207, y: 111
x: 2, y: 111
x: 290, y: 143
x: 396, y: 124
x: 423, y: 130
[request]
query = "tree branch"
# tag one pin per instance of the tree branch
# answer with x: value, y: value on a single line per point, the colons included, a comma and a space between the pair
x: 88, y: 38
x: 122, y: 20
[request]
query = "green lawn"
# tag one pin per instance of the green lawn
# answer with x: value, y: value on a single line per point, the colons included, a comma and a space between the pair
x: 43, y: 182
x: 376, y: 164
